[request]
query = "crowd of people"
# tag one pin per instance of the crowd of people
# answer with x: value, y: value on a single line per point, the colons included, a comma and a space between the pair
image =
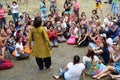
x: 23, y: 36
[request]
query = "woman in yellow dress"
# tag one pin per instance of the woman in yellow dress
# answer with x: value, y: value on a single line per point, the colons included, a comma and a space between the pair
x: 41, y: 45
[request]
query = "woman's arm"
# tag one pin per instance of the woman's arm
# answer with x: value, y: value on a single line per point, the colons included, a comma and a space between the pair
x: 98, y: 51
x: 19, y: 51
x: 84, y: 38
x: 30, y: 39
x: 79, y: 38
x: 3, y: 51
x: 113, y: 30
x: 83, y: 75
x: 113, y: 57
x: 3, y: 43
x: 46, y: 38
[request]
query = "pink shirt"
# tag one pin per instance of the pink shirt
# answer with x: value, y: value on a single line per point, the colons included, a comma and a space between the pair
x: 76, y: 5
x: 2, y: 13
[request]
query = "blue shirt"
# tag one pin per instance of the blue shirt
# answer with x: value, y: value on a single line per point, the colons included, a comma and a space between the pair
x: 42, y: 6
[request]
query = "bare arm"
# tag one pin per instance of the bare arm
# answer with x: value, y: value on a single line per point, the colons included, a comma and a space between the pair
x: 115, y: 59
x: 98, y: 51
x: 19, y: 51
x: 84, y: 38
x: 83, y: 75
x: 3, y: 51
x: 113, y: 30
x: 30, y: 38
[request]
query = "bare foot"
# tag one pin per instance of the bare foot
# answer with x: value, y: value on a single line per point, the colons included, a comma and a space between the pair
x: 98, y: 78
x: 49, y: 68
x: 56, y: 77
x: 94, y: 77
x: 111, y: 76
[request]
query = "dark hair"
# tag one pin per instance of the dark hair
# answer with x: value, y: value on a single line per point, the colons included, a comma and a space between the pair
x: 50, y: 15
x: 83, y: 14
x: 63, y: 13
x: 94, y: 11
x: 11, y: 21
x: 84, y: 29
x: 48, y: 26
x: 37, y: 22
x: 90, y: 53
x: 52, y: 26
x: 14, y: 2
x: 16, y: 23
x: 105, y: 45
x: 17, y: 39
x: 76, y: 59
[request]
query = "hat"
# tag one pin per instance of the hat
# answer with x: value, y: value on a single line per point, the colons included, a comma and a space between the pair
x: 109, y: 41
x: 103, y: 35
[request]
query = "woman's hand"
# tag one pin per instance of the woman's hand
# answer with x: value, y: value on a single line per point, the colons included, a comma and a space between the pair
x: 50, y: 47
x: 1, y: 57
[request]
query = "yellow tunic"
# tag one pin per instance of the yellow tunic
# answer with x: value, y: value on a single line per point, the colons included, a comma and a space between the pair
x: 98, y: 5
x: 41, y: 42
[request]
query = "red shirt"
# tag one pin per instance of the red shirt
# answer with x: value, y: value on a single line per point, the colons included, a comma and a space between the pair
x: 52, y: 35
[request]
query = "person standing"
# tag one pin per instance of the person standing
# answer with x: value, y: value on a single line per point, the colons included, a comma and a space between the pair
x: 2, y: 17
x: 76, y: 7
x: 99, y: 6
x: 41, y: 45
x: 115, y: 7
x: 15, y: 13
x: 52, y: 5
x: 43, y: 12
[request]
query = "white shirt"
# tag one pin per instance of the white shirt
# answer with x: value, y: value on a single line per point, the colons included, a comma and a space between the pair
x: 15, y: 9
x: 64, y: 25
x: 109, y: 41
x: 106, y: 21
x: 74, y: 71
x: 88, y: 59
x: 75, y: 32
x: 20, y: 46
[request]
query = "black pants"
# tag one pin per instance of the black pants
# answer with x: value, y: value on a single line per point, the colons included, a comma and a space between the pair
x: 23, y: 56
x: 43, y: 62
x: 2, y: 22
x: 76, y: 12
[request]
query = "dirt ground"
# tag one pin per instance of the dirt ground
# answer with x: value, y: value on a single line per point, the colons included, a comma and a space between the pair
x: 28, y: 69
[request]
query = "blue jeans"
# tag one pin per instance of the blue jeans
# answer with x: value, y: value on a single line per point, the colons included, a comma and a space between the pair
x: 61, y: 74
x: 54, y: 43
x: 92, y: 45
x: 15, y: 17
x: 11, y: 49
